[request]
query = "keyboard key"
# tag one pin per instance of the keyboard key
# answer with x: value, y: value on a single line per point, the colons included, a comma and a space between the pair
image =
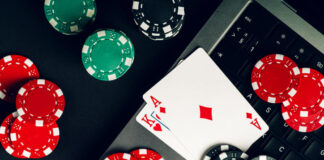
x: 265, y: 109
x: 275, y: 148
x: 247, y: 91
x: 252, y: 46
x: 262, y: 140
x: 257, y: 20
x: 301, y: 52
x: 315, y: 151
x: 317, y: 62
x: 280, y: 39
x: 293, y: 156
x: 227, y: 55
x: 239, y: 35
x: 320, y: 133
x: 298, y: 140
x: 246, y: 72
x: 278, y: 125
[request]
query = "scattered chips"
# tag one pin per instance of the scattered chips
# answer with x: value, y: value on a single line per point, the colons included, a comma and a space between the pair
x: 40, y: 102
x: 275, y: 78
x: 159, y: 20
x: 263, y: 157
x: 70, y: 17
x: 15, y: 70
x: 5, y: 136
x: 146, y: 154
x: 107, y: 55
x: 304, y: 111
x: 120, y: 156
x: 214, y: 152
x: 34, y: 141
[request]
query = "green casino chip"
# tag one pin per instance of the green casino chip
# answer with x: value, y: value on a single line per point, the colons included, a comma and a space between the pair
x: 70, y: 16
x: 107, y: 54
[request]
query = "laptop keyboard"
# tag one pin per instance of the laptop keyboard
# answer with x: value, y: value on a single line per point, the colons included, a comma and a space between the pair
x: 254, y: 35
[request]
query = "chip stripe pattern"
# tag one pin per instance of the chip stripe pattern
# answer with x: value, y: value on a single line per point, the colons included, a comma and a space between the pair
x: 5, y: 136
x: 23, y: 66
x: 89, y: 11
x: 230, y: 155
x: 214, y: 151
x: 145, y: 154
x: 120, y: 156
x: 285, y: 93
x: 115, y: 38
x: 159, y: 31
x: 263, y: 157
x: 24, y: 109
x: 18, y: 129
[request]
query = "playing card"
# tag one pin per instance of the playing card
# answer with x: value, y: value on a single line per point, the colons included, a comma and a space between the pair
x: 202, y: 107
x: 160, y: 130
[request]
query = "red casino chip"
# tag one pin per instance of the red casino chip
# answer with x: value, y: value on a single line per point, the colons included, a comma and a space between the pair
x: 275, y: 78
x: 40, y: 102
x: 146, y: 154
x: 296, y: 125
x: 15, y: 71
x: 5, y: 136
x: 307, y: 105
x: 120, y: 156
x: 33, y: 141
x: 303, y: 116
x: 310, y: 93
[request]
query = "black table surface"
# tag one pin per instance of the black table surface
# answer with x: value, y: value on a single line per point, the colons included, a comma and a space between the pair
x: 96, y: 111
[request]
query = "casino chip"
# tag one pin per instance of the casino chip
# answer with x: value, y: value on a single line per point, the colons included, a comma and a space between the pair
x: 146, y: 154
x: 263, y: 157
x: 15, y: 70
x: 159, y: 20
x: 304, y: 111
x: 33, y: 141
x: 214, y: 152
x: 70, y: 17
x: 232, y: 155
x: 40, y: 102
x: 107, y: 55
x: 275, y: 78
x: 120, y: 156
x: 5, y: 136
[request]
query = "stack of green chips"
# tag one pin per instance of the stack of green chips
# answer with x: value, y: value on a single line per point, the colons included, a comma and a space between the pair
x: 70, y: 17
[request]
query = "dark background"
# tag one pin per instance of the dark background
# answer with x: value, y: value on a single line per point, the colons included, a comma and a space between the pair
x: 95, y: 111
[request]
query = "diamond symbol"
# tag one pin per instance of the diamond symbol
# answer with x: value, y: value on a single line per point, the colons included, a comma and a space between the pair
x: 248, y: 115
x: 162, y: 110
x: 206, y: 113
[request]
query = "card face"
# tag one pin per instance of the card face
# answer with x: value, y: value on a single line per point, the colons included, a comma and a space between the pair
x: 155, y: 126
x: 202, y: 107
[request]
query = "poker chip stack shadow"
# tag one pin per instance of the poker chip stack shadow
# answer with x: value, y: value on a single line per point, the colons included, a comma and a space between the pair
x: 160, y: 19
x: 277, y: 79
x: 31, y: 131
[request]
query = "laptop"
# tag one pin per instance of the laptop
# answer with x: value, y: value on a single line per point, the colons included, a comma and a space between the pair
x: 236, y: 36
